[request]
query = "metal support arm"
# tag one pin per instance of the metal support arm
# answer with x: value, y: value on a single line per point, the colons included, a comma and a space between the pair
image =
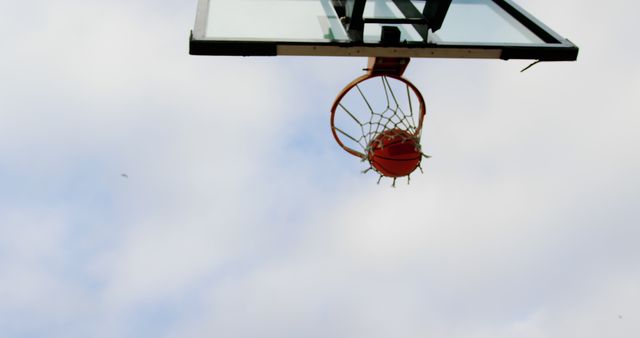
x: 430, y: 17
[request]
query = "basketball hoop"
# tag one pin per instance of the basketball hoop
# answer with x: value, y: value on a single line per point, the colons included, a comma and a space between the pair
x: 389, y: 32
x: 384, y: 126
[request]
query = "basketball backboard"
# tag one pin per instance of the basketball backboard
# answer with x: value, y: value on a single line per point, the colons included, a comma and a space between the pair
x: 494, y: 29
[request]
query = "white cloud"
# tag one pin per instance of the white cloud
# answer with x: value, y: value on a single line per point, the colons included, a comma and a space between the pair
x: 241, y: 218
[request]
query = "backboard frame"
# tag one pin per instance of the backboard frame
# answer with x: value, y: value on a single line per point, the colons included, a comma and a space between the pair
x: 554, y: 47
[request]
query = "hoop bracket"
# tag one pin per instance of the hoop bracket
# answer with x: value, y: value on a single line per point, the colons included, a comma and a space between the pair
x: 387, y: 66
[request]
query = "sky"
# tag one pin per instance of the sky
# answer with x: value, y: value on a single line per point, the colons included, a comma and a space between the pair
x: 239, y: 216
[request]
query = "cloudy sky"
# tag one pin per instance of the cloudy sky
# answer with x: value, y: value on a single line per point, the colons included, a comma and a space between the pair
x: 241, y: 217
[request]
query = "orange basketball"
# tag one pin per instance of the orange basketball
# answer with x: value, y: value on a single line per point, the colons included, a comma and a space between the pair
x: 395, y: 153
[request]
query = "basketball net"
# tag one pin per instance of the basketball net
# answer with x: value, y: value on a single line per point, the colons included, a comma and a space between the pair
x: 378, y: 118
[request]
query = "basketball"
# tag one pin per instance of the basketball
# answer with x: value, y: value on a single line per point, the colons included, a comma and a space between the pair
x: 394, y: 153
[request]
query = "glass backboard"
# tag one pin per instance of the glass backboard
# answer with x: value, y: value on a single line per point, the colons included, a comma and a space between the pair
x: 497, y: 29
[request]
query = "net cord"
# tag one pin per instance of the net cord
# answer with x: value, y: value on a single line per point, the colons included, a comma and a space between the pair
x: 392, y: 117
